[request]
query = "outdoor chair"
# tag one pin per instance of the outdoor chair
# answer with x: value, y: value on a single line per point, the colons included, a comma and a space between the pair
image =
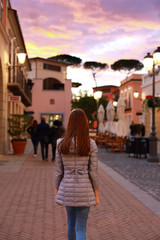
x: 101, y: 141
x: 117, y: 144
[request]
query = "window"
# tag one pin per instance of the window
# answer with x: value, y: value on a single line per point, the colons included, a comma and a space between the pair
x: 52, y: 84
x: 125, y: 97
x: 50, y: 117
x: 129, y: 96
x: 1, y: 10
x: 51, y: 67
x: 129, y: 99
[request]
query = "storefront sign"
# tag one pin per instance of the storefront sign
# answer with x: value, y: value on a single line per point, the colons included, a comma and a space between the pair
x: 14, y: 98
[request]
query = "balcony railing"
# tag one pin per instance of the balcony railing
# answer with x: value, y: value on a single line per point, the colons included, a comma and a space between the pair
x: 19, y: 87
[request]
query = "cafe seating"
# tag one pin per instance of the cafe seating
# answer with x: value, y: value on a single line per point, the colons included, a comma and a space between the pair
x: 116, y: 144
x: 138, y: 146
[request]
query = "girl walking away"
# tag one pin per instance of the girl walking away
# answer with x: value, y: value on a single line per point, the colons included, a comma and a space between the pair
x: 32, y: 130
x: 76, y: 176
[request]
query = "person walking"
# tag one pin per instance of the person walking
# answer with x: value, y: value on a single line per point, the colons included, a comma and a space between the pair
x: 32, y: 130
x: 42, y: 131
x: 142, y: 130
x: 55, y: 132
x: 76, y: 174
x: 133, y: 129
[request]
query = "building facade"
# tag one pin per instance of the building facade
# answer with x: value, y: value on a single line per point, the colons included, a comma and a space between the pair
x: 147, y: 90
x: 51, y: 94
x: 13, y: 78
x: 109, y: 91
x: 133, y: 108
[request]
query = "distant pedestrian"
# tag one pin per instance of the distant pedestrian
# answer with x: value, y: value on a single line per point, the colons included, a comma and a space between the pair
x: 32, y: 130
x: 133, y: 129
x: 76, y: 176
x: 55, y: 132
x: 43, y: 130
x: 142, y: 130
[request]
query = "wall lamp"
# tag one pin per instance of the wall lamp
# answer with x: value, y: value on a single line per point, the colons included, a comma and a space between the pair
x: 21, y: 60
x: 136, y: 94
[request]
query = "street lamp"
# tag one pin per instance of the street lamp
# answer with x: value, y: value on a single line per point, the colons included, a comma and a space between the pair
x: 115, y: 103
x: 149, y: 63
x: 97, y: 95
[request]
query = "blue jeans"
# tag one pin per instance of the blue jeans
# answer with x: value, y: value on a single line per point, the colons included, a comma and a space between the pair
x: 77, y: 220
x: 35, y: 145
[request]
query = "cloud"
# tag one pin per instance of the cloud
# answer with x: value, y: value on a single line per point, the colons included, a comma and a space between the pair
x: 99, y: 30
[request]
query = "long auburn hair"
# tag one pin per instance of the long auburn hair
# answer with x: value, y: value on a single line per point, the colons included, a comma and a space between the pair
x: 78, y: 130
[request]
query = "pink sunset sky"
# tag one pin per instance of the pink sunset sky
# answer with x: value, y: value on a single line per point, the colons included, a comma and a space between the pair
x: 99, y: 30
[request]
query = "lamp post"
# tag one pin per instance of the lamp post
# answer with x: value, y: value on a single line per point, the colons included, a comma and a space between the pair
x: 149, y: 63
x: 97, y: 95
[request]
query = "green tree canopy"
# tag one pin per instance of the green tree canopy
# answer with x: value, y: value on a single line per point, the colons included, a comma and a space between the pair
x: 89, y: 105
x: 127, y: 65
x: 67, y: 59
x: 95, y: 67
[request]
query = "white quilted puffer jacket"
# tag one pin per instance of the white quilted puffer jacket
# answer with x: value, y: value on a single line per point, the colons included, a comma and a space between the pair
x: 76, y: 177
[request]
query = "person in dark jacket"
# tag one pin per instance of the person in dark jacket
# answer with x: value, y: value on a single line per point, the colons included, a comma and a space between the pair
x: 55, y: 132
x: 142, y: 130
x: 133, y: 129
x: 42, y: 131
x: 32, y: 130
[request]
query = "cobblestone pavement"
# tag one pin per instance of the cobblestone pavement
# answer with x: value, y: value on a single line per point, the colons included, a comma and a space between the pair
x: 28, y: 210
x: 144, y: 174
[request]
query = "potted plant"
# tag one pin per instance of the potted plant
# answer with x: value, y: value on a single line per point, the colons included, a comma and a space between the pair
x: 17, y: 126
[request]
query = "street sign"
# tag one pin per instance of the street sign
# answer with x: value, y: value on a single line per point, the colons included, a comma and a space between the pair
x: 14, y: 98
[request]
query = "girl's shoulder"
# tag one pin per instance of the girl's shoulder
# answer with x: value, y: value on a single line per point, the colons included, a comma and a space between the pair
x: 93, y: 145
x: 59, y: 140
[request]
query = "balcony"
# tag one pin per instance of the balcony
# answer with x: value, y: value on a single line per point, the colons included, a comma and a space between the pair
x: 19, y: 87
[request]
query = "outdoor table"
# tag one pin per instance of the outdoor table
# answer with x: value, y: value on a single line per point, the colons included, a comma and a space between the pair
x: 138, y: 146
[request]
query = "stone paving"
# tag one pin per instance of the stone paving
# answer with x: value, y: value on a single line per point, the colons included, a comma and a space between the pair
x: 28, y: 210
x: 144, y: 174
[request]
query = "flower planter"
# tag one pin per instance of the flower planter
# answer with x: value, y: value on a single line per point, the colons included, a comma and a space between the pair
x: 151, y: 102
x: 19, y: 147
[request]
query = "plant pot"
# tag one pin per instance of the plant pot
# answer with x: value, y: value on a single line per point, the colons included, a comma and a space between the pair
x: 19, y: 147
x: 154, y: 102
x: 150, y: 102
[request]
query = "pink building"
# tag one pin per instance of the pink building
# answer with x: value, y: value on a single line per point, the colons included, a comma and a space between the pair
x: 133, y: 108
x: 51, y: 93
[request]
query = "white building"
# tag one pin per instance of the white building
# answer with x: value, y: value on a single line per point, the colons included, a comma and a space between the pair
x: 147, y: 90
